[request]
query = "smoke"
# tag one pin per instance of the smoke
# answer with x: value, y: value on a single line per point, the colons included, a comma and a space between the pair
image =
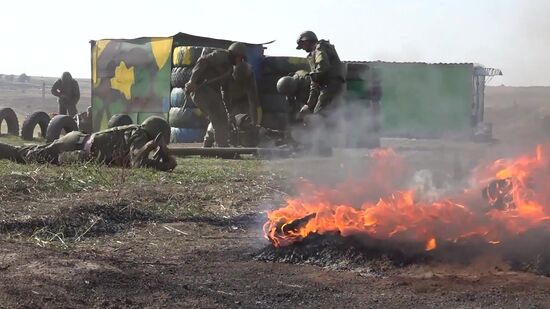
x: 529, y: 39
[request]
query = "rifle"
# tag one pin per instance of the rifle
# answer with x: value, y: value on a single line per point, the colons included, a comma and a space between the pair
x: 162, y: 150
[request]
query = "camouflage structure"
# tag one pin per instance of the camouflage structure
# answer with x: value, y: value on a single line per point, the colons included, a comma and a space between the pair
x: 136, y: 77
x: 132, y: 76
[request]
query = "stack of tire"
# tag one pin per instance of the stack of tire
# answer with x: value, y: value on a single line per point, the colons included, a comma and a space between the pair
x: 275, y: 109
x: 188, y: 122
x: 363, y: 97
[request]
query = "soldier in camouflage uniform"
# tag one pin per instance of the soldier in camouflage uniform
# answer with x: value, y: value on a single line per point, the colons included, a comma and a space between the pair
x: 296, y: 88
x: 243, y: 100
x: 210, y: 87
x: 327, y: 76
x: 122, y: 146
x: 68, y: 93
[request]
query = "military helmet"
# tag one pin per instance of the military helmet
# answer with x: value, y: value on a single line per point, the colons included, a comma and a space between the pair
x: 237, y: 49
x: 155, y: 125
x: 306, y: 36
x: 286, y: 85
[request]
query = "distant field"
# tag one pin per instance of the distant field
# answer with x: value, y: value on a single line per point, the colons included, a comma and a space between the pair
x: 26, y: 98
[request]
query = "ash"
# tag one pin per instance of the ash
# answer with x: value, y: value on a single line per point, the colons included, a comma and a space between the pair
x: 333, y: 252
x: 528, y: 252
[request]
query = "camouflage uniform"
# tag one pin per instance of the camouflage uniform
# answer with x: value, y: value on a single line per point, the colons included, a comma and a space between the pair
x: 301, y: 95
x: 244, y: 92
x: 213, y: 71
x: 121, y: 146
x: 67, y: 91
x: 327, y: 77
x: 327, y: 88
x: 243, y: 100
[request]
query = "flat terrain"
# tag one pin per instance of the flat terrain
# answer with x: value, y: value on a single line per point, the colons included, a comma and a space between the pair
x: 83, y: 235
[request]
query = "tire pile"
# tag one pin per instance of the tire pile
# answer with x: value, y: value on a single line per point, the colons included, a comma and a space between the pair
x: 188, y: 122
x: 50, y: 129
x: 275, y: 109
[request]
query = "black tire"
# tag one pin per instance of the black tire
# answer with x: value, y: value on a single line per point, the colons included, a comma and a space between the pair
x: 118, y: 120
x: 41, y: 119
x: 180, y: 77
x: 173, y: 75
x: 8, y: 115
x: 60, y: 123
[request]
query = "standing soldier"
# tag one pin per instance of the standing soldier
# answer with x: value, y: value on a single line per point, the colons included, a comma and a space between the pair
x: 68, y: 93
x: 243, y: 99
x: 327, y: 77
x: 209, y: 87
x: 129, y: 145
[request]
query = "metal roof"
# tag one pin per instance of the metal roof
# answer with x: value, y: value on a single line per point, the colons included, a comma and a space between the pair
x: 479, y: 70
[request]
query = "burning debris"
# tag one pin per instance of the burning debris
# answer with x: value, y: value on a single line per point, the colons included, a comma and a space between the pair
x: 508, y: 199
x: 498, y: 194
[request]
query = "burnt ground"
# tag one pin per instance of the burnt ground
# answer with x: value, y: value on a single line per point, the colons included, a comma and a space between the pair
x: 96, y: 237
x: 91, y: 236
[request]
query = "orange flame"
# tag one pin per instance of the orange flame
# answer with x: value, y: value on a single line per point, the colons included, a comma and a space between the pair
x: 523, y: 192
x: 431, y: 244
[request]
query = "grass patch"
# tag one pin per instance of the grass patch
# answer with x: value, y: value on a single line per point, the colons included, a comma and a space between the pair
x: 62, y: 205
x: 77, y: 177
x: 17, y: 141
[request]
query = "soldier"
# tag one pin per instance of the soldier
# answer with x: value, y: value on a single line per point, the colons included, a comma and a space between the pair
x: 122, y: 146
x: 243, y: 100
x: 296, y: 89
x: 210, y: 89
x: 244, y: 92
x: 327, y: 78
x: 68, y: 93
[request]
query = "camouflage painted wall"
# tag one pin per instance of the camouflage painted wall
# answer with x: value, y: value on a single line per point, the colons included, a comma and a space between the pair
x: 130, y: 77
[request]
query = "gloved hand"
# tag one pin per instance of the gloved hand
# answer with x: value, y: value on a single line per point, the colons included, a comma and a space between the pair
x: 304, y: 109
x: 149, y: 146
x: 170, y: 163
x: 161, y: 147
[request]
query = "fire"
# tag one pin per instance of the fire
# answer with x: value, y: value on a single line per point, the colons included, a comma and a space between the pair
x: 515, y: 198
x: 431, y: 244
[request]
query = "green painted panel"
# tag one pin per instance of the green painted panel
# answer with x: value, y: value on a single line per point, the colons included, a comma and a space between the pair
x: 130, y: 77
x: 425, y: 99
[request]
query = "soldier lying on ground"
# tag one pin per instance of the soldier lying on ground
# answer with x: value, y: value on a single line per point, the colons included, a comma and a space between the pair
x: 129, y: 146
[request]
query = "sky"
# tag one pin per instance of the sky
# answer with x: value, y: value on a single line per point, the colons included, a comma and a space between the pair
x: 45, y: 38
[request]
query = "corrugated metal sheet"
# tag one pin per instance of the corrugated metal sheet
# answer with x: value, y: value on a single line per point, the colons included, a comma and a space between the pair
x: 479, y: 70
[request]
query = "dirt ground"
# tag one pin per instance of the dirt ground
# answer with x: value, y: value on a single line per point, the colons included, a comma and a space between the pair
x: 95, y: 237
